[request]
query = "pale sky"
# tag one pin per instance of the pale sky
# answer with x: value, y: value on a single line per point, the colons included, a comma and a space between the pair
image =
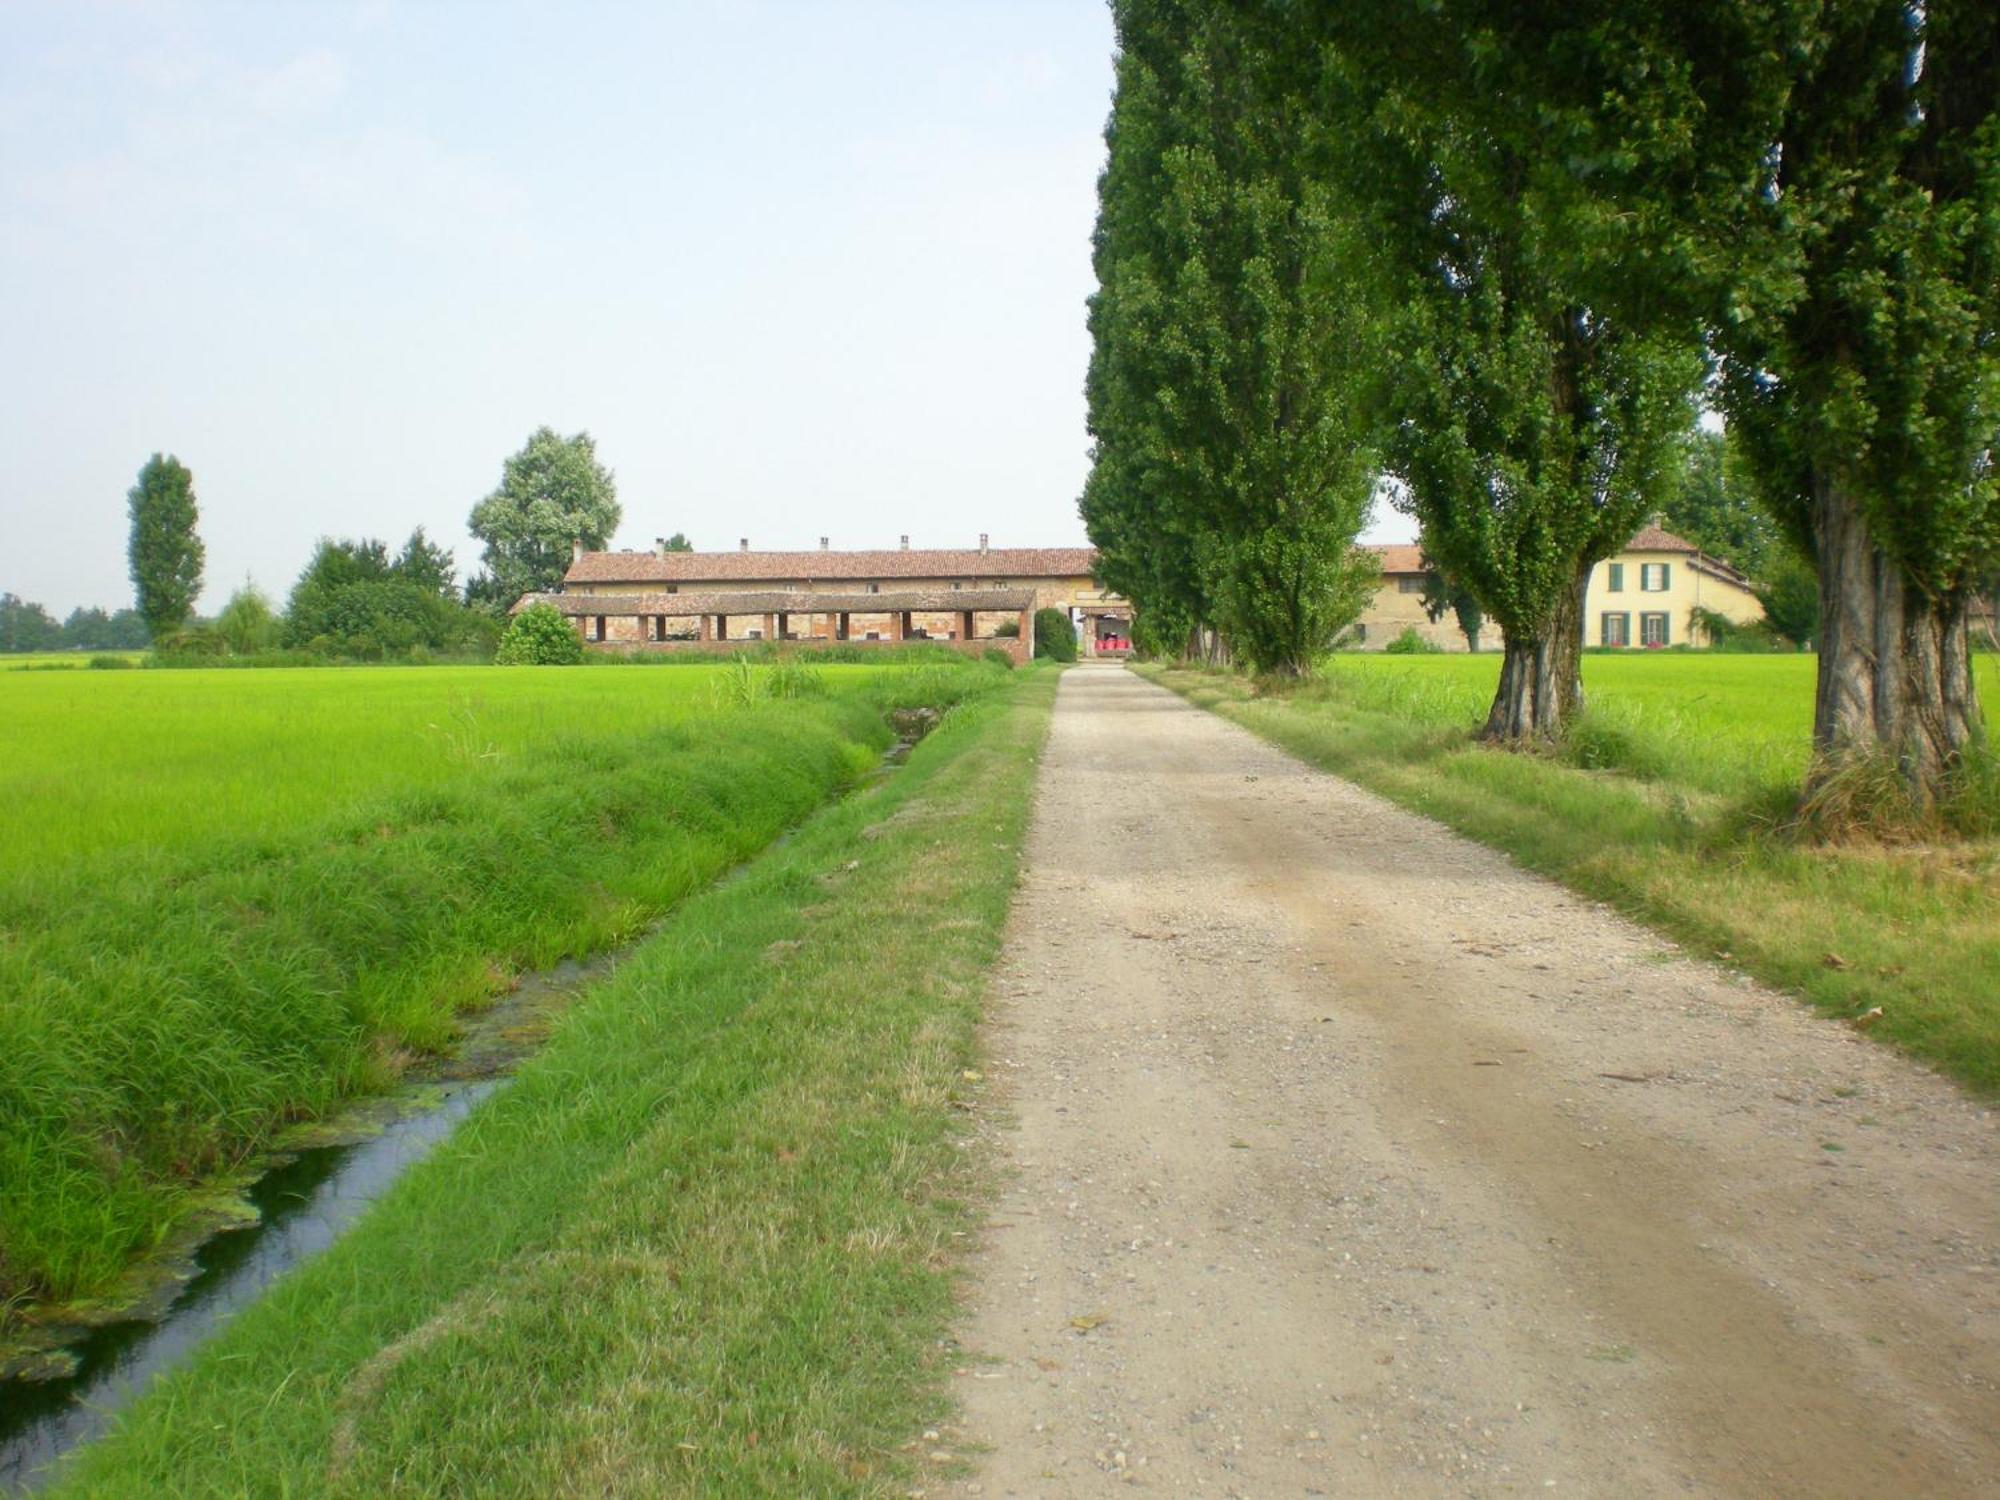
x: 801, y: 269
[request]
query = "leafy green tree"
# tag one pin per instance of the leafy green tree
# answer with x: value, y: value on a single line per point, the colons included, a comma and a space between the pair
x: 678, y: 542
x: 1717, y: 507
x: 1789, y: 592
x: 85, y: 629
x: 94, y: 630
x: 1230, y: 474
x: 552, y: 496
x: 1862, y: 363
x: 27, y: 627
x: 426, y: 564
x: 1132, y: 506
x: 1055, y: 636
x: 165, y: 554
x: 354, y: 599
x: 1441, y: 595
x: 1535, y: 385
x: 247, y: 623
x: 539, y: 636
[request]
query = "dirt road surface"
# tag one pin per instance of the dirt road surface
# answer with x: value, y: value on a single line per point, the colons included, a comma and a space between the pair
x: 1346, y: 1159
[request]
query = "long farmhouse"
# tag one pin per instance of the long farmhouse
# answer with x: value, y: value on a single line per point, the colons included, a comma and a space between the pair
x: 974, y: 598
x: 984, y: 598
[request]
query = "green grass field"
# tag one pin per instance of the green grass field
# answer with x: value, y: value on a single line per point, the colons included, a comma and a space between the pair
x: 706, y: 1242
x: 164, y: 763
x: 232, y: 900
x: 1664, y: 802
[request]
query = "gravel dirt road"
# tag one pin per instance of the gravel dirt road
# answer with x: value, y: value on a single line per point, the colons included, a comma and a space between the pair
x: 1346, y: 1159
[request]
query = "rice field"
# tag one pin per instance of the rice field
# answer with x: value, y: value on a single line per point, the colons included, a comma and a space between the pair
x: 231, y: 900
x: 1712, y: 722
x: 162, y: 763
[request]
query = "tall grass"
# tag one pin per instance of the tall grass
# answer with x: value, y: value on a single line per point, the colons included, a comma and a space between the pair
x: 705, y: 1243
x: 1668, y: 800
x: 213, y: 951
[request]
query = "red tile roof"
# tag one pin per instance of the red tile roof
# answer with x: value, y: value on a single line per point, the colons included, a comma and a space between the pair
x: 1398, y: 557
x: 1653, y: 539
x: 741, y: 567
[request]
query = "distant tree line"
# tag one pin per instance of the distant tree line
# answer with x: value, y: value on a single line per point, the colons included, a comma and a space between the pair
x: 1498, y: 258
x: 356, y: 599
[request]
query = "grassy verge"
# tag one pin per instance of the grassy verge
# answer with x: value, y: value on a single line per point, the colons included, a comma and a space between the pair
x: 703, y: 1243
x: 1657, y: 820
x: 163, y: 1015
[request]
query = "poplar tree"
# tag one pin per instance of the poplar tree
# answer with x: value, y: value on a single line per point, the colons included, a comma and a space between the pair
x: 165, y: 554
x: 1536, y: 368
x: 1231, y: 477
x: 1862, y: 374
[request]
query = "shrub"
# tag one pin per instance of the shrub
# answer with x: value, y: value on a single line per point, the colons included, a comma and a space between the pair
x: 1055, y: 637
x: 1410, y: 643
x: 540, y: 637
x: 111, y: 663
x: 1008, y: 630
x: 998, y: 657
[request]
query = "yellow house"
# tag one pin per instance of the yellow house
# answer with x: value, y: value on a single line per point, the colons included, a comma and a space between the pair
x: 1648, y: 593
x: 1644, y: 596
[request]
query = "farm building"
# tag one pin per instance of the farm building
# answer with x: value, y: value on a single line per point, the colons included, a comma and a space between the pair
x: 655, y: 599
x: 662, y: 600
x: 1646, y: 595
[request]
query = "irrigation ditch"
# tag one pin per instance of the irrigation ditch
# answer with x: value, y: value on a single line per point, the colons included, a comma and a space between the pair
x: 65, y: 1377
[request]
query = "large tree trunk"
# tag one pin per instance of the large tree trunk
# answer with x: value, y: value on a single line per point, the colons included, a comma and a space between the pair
x: 1541, y: 681
x: 1895, y: 670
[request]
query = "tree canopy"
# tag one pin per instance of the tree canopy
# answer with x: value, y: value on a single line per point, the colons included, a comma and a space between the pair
x: 552, y: 495
x: 165, y: 554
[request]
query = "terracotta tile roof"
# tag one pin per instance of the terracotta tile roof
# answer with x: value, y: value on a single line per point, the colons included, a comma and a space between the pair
x: 813, y: 567
x: 1398, y: 557
x: 1653, y: 539
x: 776, y: 601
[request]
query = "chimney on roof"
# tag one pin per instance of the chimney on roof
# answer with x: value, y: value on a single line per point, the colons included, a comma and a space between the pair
x: 906, y: 544
x: 982, y: 544
x: 576, y: 551
x: 743, y: 544
x: 822, y: 544
x: 660, y: 545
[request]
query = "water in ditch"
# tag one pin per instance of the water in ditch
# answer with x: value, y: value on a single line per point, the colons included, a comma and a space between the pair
x: 302, y: 1206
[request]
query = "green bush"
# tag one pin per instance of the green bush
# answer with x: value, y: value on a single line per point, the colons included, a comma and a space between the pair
x: 540, y: 637
x: 1409, y: 643
x: 111, y: 663
x: 1055, y: 637
x: 998, y: 657
x: 1008, y: 630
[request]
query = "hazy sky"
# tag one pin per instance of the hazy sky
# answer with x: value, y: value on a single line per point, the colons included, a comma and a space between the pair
x: 801, y: 269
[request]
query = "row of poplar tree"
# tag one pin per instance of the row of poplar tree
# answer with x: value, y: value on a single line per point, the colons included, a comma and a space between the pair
x: 1492, y: 259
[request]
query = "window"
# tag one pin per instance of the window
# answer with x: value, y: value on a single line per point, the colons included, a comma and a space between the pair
x: 1615, y: 630
x: 874, y: 588
x: 673, y: 588
x: 1409, y: 583
x: 955, y: 583
x: 600, y: 628
x: 1653, y: 630
x: 1653, y: 577
x: 1616, y: 583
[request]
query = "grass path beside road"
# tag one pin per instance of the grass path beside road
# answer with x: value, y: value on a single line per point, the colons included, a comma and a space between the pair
x: 704, y: 1243
x: 1914, y: 930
